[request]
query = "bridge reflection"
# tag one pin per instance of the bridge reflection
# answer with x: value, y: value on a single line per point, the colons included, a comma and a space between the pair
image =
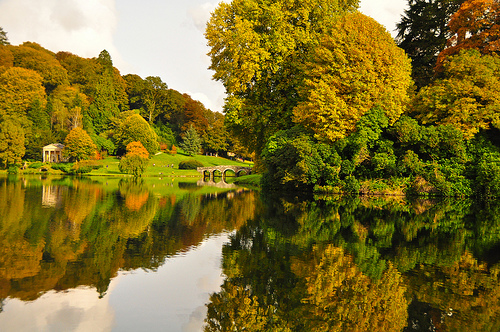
x: 221, y: 184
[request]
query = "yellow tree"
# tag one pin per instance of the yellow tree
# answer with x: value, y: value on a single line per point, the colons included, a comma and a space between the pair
x: 19, y: 89
x: 466, y: 96
x: 33, y: 56
x: 356, y: 67
x: 11, y: 143
x: 78, y: 145
x: 257, y: 50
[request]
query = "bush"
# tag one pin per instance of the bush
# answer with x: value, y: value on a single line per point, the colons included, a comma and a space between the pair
x: 13, y: 170
x: 133, y: 164
x: 35, y: 165
x: 190, y: 164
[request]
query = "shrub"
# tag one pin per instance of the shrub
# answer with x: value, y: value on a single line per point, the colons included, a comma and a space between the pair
x: 35, y: 165
x: 190, y: 164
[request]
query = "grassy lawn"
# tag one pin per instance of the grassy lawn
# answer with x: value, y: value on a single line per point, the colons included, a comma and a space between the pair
x: 160, y: 165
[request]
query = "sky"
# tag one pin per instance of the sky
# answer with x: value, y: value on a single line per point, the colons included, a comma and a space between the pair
x: 162, y: 38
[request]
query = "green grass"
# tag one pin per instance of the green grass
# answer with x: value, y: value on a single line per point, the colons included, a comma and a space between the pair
x: 160, y: 165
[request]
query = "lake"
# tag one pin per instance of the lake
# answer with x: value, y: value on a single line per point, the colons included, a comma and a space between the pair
x: 168, y: 254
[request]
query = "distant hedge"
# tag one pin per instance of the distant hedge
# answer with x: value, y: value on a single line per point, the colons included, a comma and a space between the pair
x: 190, y: 164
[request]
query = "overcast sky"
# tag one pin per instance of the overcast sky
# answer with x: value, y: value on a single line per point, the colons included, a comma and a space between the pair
x: 148, y: 37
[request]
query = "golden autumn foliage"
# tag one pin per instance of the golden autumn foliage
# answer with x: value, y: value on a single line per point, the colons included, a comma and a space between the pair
x: 78, y: 145
x: 342, y: 298
x: 466, y: 96
x: 19, y: 89
x: 257, y: 50
x: 356, y: 67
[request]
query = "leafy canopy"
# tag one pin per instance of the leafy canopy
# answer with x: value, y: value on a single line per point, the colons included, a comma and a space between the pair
x: 135, y: 128
x: 356, y: 67
x: 467, y: 96
x: 475, y: 25
x: 78, y: 145
x: 257, y: 48
x: 135, y: 161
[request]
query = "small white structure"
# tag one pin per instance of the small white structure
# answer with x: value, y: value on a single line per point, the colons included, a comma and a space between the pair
x: 52, y: 153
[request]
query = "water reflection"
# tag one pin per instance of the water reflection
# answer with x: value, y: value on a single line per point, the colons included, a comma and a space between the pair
x: 333, y: 264
x: 288, y: 263
x: 79, y: 233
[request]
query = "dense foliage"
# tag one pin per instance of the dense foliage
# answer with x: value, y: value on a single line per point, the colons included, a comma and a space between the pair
x: 136, y: 160
x: 45, y: 95
x: 329, y: 105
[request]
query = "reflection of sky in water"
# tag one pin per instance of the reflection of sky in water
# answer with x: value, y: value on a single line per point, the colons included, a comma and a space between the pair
x: 171, y: 299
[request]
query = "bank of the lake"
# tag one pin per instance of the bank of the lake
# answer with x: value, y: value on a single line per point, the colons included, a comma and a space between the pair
x: 160, y: 165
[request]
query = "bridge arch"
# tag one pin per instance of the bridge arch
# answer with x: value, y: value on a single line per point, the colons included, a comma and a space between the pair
x: 238, y: 170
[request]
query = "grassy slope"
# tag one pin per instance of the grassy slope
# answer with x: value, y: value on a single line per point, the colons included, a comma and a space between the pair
x: 160, y: 165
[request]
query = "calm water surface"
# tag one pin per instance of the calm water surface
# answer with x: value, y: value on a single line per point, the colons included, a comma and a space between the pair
x: 167, y: 255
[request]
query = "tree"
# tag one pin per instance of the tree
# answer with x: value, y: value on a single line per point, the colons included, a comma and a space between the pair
x: 475, y: 25
x: 154, y: 96
x: 135, y: 129
x: 67, y: 106
x: 467, y: 95
x: 6, y: 58
x: 3, y: 37
x: 257, y: 50
x: 19, y: 89
x: 423, y: 33
x: 78, y: 145
x: 356, y: 67
x: 11, y: 143
x: 191, y: 142
x: 215, y: 137
x: 135, y: 161
x: 33, y: 56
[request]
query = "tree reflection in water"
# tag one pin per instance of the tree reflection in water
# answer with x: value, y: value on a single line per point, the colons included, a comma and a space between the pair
x: 338, y: 264
x: 293, y: 264
x: 88, y: 234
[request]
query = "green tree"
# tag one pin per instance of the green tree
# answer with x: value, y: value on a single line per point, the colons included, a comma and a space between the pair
x: 356, y: 67
x: 135, y: 129
x: 135, y: 161
x: 154, y: 96
x: 292, y: 161
x: 467, y: 95
x: 423, y: 33
x: 257, y: 50
x: 191, y: 142
x: 104, y: 86
x: 3, y: 37
x: 215, y: 137
x: 11, y: 143
x: 78, y: 145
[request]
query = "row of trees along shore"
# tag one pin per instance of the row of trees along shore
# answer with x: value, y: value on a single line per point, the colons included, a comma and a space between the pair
x: 87, y: 104
x: 329, y: 101
x: 321, y: 94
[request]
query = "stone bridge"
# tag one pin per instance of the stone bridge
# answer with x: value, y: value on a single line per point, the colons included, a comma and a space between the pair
x: 223, y: 169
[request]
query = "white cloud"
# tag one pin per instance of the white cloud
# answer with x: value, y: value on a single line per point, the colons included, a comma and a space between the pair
x: 386, y: 12
x: 83, y: 27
